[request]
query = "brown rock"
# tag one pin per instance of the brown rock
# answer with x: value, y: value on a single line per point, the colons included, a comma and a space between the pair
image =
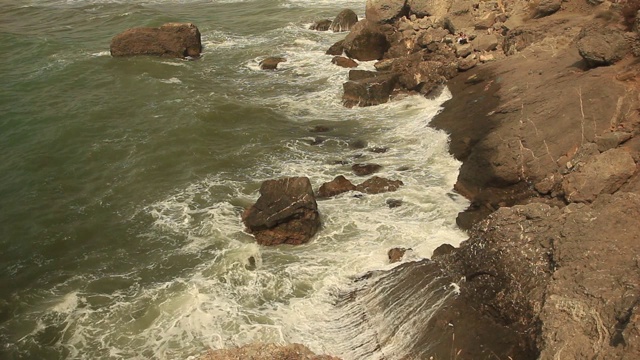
x: 169, y: 40
x: 368, y: 92
x: 344, y: 21
x: 366, y: 41
x: 518, y: 39
x: 271, y: 63
x: 546, y: 7
x: 386, y: 11
x: 344, y: 62
x: 393, y: 203
x: 336, y: 49
x: 396, y: 254
x: 377, y: 185
x: 363, y: 74
x: 335, y: 187
x: 365, y: 169
x: 611, y: 140
x: 601, y: 46
x: 601, y: 174
x: 321, y: 25
x: 443, y: 250
x: 485, y: 42
x: 467, y: 63
x: 285, y: 213
x: 485, y: 22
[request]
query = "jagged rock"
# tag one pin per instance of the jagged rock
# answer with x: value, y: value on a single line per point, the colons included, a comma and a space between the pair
x: 321, y: 25
x: 601, y: 174
x: 344, y: 21
x: 377, y: 185
x: 337, y: 186
x: 363, y: 74
x: 546, y: 8
x: 265, y: 351
x: 285, y: 213
x: 271, y: 63
x: 463, y: 50
x: 393, y: 203
x: 386, y: 11
x: 416, y: 73
x: 485, y: 22
x: 601, y: 46
x: 611, y: 140
x: 429, y: 36
x: 384, y: 65
x: 366, y: 41
x: 368, y: 92
x: 396, y: 254
x: 344, y: 62
x: 336, y: 49
x: 432, y: 8
x: 485, y: 42
x: 169, y: 40
x: 365, y: 169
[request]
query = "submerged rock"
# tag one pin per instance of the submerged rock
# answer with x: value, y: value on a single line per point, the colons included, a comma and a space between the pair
x: 261, y: 351
x: 321, y: 25
x: 285, y: 213
x: 271, y: 63
x: 377, y: 185
x: 365, y: 169
x: 169, y: 40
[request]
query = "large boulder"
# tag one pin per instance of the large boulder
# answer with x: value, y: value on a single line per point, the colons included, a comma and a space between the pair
x: 344, y: 62
x: 601, y: 174
x: 336, y: 49
x: 169, y: 40
x: 337, y: 186
x: 601, y: 46
x: 422, y: 72
x: 434, y: 8
x: 368, y: 91
x: 386, y: 11
x: 344, y: 21
x: 546, y: 7
x: 285, y: 213
x: 366, y: 41
x: 271, y: 63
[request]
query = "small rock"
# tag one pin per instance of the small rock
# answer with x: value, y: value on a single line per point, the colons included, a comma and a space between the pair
x: 365, y: 169
x: 393, y: 203
x: 467, y: 63
x: 546, y: 8
x: 485, y: 22
x: 368, y: 92
x: 321, y: 25
x: 486, y: 58
x: 463, y: 50
x: 320, y: 129
x: 357, y: 144
x: 335, y: 187
x: 384, y: 65
x: 344, y: 62
x: 271, y: 63
x: 442, y: 250
x: 385, y: 11
x: 485, y: 42
x: 378, y: 150
x: 377, y: 185
x: 396, y: 254
x: 362, y: 74
x: 317, y: 141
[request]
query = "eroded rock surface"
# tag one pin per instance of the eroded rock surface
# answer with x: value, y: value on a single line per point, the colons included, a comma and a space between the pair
x: 178, y: 40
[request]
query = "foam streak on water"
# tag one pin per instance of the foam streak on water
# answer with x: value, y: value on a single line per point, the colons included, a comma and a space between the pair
x: 125, y: 186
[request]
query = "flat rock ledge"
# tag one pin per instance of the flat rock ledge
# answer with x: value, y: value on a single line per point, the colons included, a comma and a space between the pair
x: 179, y: 40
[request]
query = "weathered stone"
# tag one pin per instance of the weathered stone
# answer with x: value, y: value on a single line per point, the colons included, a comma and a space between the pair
x: 344, y: 62
x: 385, y: 11
x: 271, y: 63
x: 485, y: 22
x: 393, y: 203
x: 611, y: 140
x: 368, y: 92
x: 518, y: 39
x: 485, y: 42
x: 344, y: 21
x: 486, y: 58
x: 601, y: 46
x: 429, y: 36
x: 377, y: 185
x: 396, y: 254
x: 546, y: 8
x: 336, y: 49
x: 366, y: 41
x: 463, y: 50
x: 265, y: 351
x: 416, y: 73
x: 365, y: 169
x: 601, y: 174
x: 169, y: 40
x: 337, y: 186
x: 321, y: 25
x: 431, y: 8
x: 467, y: 63
x: 384, y: 65
x: 285, y: 213
x: 363, y: 74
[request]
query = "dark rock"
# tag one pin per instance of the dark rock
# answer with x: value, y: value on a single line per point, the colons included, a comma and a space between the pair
x: 368, y: 92
x: 423, y: 8
x: 393, y: 203
x: 169, y: 40
x: 335, y: 187
x: 379, y: 150
x: 317, y: 140
x: 396, y: 254
x: 546, y: 8
x: 285, y: 213
x: 344, y: 62
x: 601, y: 174
x: 366, y: 41
x: 321, y: 25
x: 443, y: 250
x: 386, y: 11
x: 601, y: 46
x: 320, y: 129
x: 271, y: 63
x: 344, y: 21
x: 365, y: 169
x: 357, y: 144
x: 336, y: 49
x: 377, y: 185
x: 363, y: 74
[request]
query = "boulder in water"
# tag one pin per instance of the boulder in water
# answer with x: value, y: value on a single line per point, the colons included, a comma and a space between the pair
x: 344, y: 62
x: 169, y: 40
x: 344, y: 21
x: 336, y: 49
x: 321, y: 25
x: 366, y: 41
x: 365, y: 169
x: 396, y: 254
x: 271, y: 63
x: 369, y: 91
x: 337, y: 186
x: 285, y: 213
x: 377, y: 185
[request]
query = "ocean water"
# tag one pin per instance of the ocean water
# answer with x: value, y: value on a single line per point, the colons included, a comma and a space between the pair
x: 122, y: 182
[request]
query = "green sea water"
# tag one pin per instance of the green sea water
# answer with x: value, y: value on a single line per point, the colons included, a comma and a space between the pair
x: 122, y: 181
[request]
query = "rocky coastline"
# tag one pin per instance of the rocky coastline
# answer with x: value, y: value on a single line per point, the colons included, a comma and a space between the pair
x: 545, y: 118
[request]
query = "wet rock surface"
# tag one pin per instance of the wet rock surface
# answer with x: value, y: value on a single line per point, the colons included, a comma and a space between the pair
x: 178, y: 40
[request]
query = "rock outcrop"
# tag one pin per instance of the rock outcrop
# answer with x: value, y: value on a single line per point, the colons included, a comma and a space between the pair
x: 366, y: 41
x: 271, y: 63
x: 285, y: 213
x: 178, y: 40
x: 337, y: 186
x: 344, y: 21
